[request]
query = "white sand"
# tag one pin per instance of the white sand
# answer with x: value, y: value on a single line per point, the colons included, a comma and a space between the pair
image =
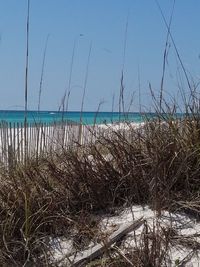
x: 184, y: 226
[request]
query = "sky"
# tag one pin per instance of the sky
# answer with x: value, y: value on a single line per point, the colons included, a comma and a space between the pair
x: 102, y: 24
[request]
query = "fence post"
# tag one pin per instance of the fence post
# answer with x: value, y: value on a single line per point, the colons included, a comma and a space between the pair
x: 80, y: 133
x: 11, y: 159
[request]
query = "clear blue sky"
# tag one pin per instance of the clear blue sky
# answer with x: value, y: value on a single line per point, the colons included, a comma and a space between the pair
x: 103, y: 23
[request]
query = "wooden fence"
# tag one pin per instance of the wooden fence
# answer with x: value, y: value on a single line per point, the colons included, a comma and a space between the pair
x: 18, y: 142
x: 34, y: 140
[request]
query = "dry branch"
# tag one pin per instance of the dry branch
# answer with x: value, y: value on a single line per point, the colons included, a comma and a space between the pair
x: 97, y: 251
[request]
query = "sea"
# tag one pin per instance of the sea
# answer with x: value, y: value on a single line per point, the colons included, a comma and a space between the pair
x: 88, y: 118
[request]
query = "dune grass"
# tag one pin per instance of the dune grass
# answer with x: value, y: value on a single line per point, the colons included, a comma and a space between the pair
x: 157, y: 164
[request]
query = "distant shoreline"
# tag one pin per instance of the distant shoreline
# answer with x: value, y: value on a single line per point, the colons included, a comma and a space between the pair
x: 87, y: 118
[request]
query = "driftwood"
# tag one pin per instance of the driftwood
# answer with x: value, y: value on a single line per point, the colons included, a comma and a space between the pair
x: 82, y: 258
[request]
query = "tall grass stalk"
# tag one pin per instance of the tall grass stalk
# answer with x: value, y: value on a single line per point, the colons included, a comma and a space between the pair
x: 174, y: 44
x: 121, y: 93
x: 68, y: 90
x: 84, y: 91
x: 139, y: 91
x: 113, y: 105
x: 85, y: 82
x: 26, y: 83
x: 66, y: 96
x: 42, y: 72
x: 165, y: 56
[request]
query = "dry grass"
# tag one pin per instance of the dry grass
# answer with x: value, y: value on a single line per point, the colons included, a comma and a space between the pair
x: 158, y: 165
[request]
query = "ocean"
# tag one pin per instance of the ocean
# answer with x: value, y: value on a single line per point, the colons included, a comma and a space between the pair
x: 89, y: 118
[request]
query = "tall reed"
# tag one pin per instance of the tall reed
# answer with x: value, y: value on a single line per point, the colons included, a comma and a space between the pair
x: 26, y: 82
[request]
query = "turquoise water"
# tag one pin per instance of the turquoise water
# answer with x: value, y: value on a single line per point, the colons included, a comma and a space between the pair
x: 13, y: 116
